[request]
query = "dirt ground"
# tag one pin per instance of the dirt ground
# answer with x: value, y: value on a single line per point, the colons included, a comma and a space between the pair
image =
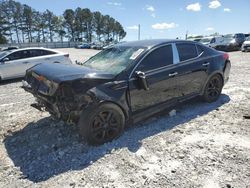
x: 204, y: 145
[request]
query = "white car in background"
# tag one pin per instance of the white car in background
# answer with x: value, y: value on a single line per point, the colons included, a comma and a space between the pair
x: 212, y: 41
x: 14, y: 63
x: 246, y: 45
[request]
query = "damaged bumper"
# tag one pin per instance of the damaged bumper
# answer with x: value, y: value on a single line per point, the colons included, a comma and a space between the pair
x: 43, y: 102
x: 59, y: 100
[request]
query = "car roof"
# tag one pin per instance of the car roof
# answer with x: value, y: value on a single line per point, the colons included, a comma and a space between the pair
x: 150, y: 43
x: 33, y: 48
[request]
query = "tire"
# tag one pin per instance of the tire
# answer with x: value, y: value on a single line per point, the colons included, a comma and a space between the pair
x: 213, y: 89
x: 102, y: 124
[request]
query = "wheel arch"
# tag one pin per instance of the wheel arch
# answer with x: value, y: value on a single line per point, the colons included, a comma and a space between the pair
x: 210, y: 76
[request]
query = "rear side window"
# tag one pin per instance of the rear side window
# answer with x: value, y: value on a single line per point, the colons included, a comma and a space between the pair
x: 206, y: 51
x: 186, y: 51
x: 200, y: 49
x: 45, y: 52
x: 160, y: 57
x: 37, y: 53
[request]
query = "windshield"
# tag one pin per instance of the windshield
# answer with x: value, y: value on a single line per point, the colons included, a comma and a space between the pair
x: 2, y: 54
x: 114, y: 60
x: 205, y: 40
x: 248, y: 38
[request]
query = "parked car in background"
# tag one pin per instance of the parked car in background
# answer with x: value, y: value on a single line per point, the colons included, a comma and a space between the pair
x: 212, y: 41
x: 197, y: 40
x: 127, y: 83
x: 246, y: 45
x: 97, y: 46
x: 14, y: 63
x: 84, y: 46
x: 239, y: 38
x: 228, y: 44
x: 10, y: 48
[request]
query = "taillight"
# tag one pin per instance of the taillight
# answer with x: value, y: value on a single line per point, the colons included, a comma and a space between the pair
x: 66, y: 55
x: 226, y: 56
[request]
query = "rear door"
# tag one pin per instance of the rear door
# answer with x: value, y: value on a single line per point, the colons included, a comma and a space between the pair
x: 41, y: 56
x: 192, y: 69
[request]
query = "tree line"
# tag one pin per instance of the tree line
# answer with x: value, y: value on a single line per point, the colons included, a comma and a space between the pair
x: 21, y: 23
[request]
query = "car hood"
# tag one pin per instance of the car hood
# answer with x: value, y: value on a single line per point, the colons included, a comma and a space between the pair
x: 63, y: 72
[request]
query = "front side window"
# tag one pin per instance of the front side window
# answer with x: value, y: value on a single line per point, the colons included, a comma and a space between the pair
x: 2, y: 54
x: 18, y: 55
x: 160, y: 57
x: 114, y: 60
x: 186, y: 51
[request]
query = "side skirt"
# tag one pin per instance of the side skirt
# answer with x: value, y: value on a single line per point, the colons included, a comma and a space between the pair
x: 156, y: 109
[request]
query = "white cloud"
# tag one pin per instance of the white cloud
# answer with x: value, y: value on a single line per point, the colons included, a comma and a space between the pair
x: 210, y: 29
x: 214, y: 4
x: 150, y: 8
x: 114, y: 3
x: 227, y: 10
x: 194, y: 7
x: 163, y: 26
x: 134, y: 27
x: 153, y: 15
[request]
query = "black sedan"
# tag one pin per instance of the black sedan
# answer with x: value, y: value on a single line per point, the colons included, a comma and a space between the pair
x: 127, y: 83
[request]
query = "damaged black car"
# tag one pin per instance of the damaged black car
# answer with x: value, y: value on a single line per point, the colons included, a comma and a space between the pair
x: 126, y: 83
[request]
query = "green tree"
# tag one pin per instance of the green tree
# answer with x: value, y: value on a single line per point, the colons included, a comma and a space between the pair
x: 69, y: 23
x: 98, y: 24
x: 28, y: 21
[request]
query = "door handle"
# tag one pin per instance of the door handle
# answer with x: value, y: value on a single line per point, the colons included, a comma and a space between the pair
x: 205, y: 64
x: 173, y: 74
x: 26, y: 62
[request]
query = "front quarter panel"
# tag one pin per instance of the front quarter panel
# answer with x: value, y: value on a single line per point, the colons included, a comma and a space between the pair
x: 114, y: 92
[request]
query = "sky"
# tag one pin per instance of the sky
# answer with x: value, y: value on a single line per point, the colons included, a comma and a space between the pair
x: 163, y: 18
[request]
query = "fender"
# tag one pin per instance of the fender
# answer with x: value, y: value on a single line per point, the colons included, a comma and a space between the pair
x: 100, y: 97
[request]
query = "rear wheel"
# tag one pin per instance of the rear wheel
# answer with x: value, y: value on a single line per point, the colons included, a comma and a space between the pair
x: 213, y: 88
x: 102, y: 124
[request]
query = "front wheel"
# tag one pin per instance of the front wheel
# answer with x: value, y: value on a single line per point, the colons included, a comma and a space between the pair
x: 213, y: 89
x: 102, y: 124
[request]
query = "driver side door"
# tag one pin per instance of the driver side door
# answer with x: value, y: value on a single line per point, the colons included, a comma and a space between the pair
x: 16, y: 64
x: 159, y: 71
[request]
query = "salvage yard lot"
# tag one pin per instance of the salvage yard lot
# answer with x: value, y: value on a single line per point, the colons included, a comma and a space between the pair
x: 204, y: 145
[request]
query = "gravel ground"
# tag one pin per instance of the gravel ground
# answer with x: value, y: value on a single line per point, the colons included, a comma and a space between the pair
x: 204, y: 145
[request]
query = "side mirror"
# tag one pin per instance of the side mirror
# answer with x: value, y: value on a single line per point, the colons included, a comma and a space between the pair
x: 141, y: 79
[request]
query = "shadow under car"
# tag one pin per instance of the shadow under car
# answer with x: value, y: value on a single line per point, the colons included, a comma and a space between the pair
x: 47, y: 148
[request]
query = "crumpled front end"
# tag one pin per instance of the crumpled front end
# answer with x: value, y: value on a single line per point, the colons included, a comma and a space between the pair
x: 62, y: 100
